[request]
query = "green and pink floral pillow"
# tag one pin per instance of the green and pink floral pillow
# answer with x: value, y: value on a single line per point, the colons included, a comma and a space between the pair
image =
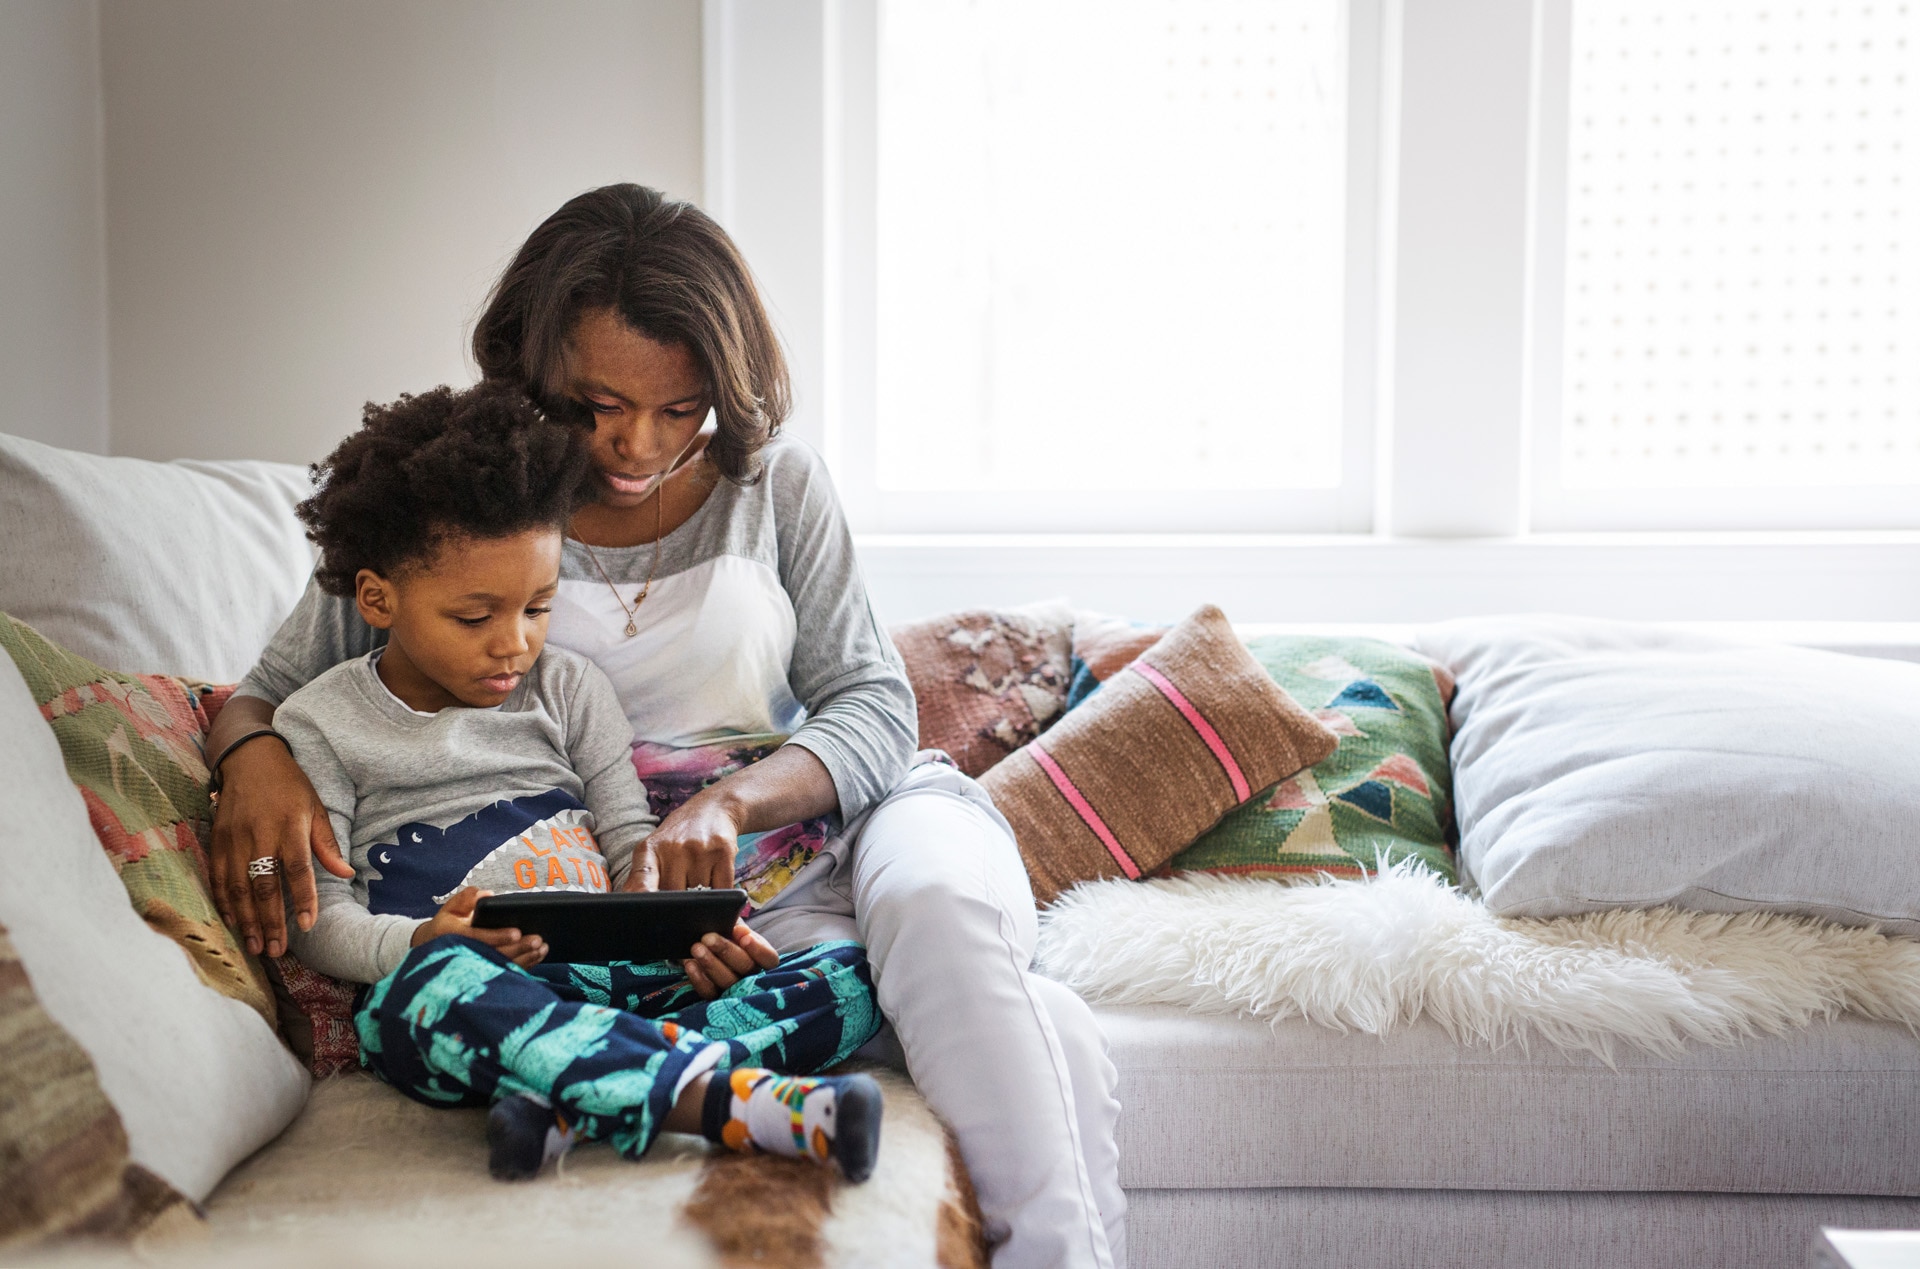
x: 133, y: 747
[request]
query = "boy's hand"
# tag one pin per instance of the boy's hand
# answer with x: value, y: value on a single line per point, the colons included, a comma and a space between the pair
x: 717, y: 963
x: 456, y: 917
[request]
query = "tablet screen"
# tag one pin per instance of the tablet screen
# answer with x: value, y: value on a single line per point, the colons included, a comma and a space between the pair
x: 654, y: 925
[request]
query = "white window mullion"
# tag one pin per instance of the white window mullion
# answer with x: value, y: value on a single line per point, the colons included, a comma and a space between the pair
x: 769, y: 127
x: 1460, y: 218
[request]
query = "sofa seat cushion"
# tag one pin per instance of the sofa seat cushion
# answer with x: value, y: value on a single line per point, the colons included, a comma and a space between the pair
x: 1219, y: 1102
x: 362, y: 1150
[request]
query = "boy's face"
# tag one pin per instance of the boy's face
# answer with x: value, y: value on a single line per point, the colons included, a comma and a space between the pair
x: 465, y: 626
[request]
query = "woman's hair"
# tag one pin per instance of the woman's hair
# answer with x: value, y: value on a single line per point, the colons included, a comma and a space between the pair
x: 671, y: 274
x: 483, y: 463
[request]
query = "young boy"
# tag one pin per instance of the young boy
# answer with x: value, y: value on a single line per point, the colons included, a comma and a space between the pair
x: 465, y: 757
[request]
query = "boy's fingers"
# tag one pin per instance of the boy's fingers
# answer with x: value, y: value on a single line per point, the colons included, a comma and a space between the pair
x: 757, y: 947
x: 698, y: 977
x: 731, y: 955
x: 522, y: 949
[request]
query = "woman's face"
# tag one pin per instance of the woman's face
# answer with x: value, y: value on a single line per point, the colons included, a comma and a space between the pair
x: 648, y: 399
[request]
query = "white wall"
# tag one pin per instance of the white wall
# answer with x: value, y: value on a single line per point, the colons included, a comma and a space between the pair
x: 307, y: 202
x: 53, y: 317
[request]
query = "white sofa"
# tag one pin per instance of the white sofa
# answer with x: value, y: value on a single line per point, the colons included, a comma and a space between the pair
x: 1242, y: 1143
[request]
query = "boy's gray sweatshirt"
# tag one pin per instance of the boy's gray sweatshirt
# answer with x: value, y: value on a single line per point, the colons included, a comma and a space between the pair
x: 537, y: 793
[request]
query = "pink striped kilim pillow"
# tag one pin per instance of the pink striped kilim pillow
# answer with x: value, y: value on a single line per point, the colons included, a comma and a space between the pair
x: 1130, y: 778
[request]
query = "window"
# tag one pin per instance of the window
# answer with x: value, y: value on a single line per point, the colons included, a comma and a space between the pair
x: 1110, y: 245
x: 1467, y: 268
x: 1114, y: 253
x: 1741, y: 269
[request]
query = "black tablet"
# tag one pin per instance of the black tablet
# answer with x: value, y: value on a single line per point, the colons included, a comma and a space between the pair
x: 656, y: 925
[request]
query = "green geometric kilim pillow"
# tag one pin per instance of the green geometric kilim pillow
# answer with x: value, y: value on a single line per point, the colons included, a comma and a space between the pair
x: 1385, y: 793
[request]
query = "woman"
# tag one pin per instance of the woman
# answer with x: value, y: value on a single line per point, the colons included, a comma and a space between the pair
x: 714, y: 580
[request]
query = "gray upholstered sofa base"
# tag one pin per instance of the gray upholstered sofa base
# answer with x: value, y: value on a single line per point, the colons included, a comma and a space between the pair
x: 1449, y: 1229
x: 1246, y: 1144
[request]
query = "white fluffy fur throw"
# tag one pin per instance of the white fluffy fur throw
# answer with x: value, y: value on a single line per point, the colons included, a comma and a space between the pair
x: 1368, y: 954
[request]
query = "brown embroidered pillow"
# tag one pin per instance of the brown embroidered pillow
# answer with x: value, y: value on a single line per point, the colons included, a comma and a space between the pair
x: 986, y: 682
x: 1181, y: 736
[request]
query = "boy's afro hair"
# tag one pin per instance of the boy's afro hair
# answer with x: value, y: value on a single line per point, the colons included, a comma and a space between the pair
x: 481, y: 463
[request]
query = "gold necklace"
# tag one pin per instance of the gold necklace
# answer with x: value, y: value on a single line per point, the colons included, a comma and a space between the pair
x: 659, y: 523
x: 633, y: 613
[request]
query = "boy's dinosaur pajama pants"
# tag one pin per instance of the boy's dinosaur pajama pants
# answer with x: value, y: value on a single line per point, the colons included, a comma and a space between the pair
x: 609, y: 1046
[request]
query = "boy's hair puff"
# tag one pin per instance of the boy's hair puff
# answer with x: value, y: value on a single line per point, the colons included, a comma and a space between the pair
x: 482, y: 463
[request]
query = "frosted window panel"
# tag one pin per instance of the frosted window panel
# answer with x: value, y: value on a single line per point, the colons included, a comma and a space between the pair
x: 1110, y: 245
x: 1743, y: 296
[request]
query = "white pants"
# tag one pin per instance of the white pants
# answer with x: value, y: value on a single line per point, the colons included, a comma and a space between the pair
x: 1013, y: 1062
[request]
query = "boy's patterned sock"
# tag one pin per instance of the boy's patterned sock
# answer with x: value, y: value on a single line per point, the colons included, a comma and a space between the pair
x: 829, y: 1118
x: 522, y: 1134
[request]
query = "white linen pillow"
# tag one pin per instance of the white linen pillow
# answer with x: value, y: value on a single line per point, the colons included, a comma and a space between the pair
x: 200, y: 1081
x: 1607, y: 765
x: 151, y: 568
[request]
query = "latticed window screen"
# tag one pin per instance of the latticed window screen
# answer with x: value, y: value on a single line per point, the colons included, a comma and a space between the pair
x: 1743, y: 281
x: 1110, y: 244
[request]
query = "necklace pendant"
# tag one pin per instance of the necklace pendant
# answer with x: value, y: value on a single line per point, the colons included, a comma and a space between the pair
x: 632, y: 629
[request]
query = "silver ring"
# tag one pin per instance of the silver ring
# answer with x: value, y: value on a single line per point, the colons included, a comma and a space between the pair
x: 265, y: 866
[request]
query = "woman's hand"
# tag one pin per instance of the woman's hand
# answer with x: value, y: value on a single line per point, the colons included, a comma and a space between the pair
x: 717, y: 963
x: 268, y: 809
x: 456, y: 917
x: 694, y: 845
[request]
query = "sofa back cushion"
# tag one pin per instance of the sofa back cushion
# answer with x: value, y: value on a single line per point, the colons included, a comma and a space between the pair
x: 1601, y: 764
x: 170, y: 568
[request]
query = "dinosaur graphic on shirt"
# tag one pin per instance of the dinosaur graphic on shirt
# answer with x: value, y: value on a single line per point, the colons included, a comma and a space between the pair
x: 543, y: 842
